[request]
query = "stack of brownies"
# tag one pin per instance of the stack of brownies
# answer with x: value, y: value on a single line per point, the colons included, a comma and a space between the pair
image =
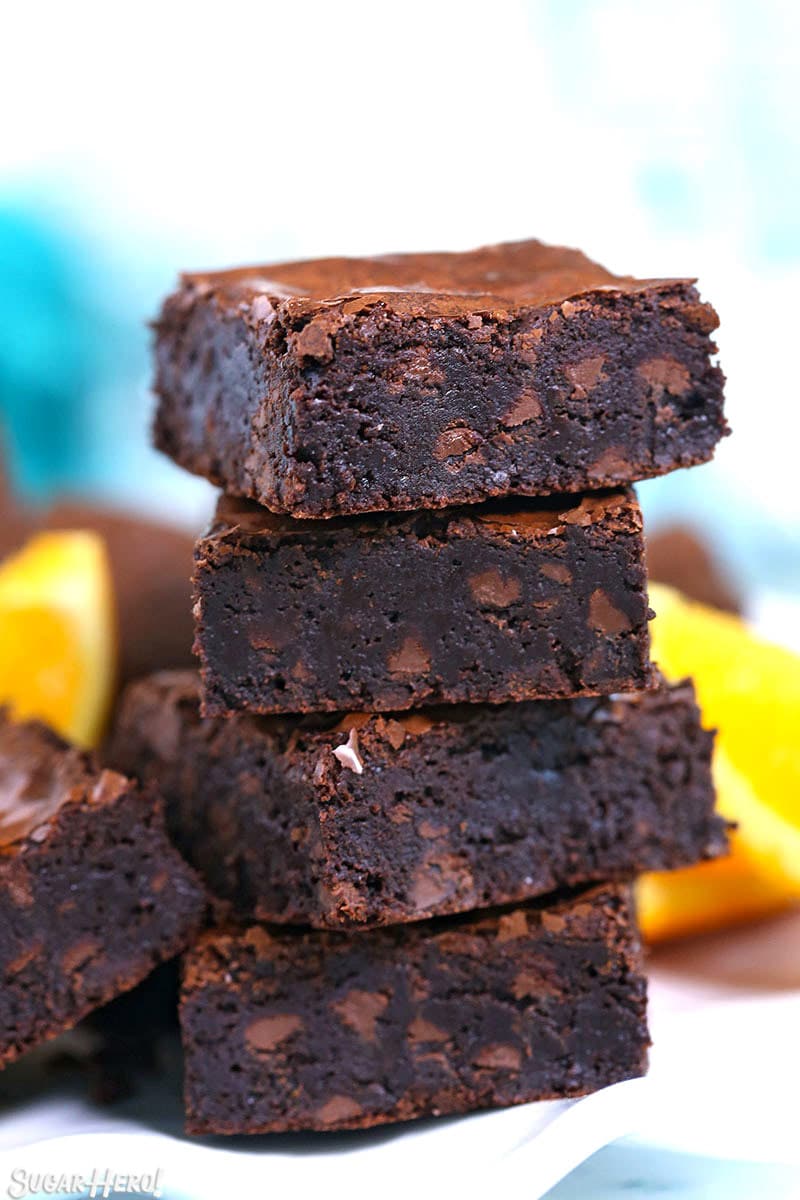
x: 426, y: 752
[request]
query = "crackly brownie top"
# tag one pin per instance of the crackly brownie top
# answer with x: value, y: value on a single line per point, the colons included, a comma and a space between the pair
x: 494, y: 278
x: 517, y: 518
x: 601, y: 910
x: 39, y: 774
x: 161, y: 707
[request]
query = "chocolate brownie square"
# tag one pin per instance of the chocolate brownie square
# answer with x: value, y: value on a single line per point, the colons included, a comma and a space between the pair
x: 92, y: 893
x: 503, y: 601
x: 422, y: 380
x: 366, y: 819
x: 304, y: 1030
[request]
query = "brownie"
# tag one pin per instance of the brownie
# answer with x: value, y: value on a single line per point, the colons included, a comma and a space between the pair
x: 92, y: 894
x: 426, y: 380
x: 678, y: 556
x: 332, y: 821
x: 511, y: 600
x: 309, y: 1030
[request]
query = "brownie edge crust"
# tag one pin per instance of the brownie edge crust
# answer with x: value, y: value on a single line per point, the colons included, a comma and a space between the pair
x: 426, y: 380
x: 321, y: 1031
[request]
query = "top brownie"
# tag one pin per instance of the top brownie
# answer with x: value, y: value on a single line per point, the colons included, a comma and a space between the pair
x: 424, y: 380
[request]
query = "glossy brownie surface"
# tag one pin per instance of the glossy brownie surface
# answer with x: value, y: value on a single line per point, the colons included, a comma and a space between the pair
x: 425, y: 380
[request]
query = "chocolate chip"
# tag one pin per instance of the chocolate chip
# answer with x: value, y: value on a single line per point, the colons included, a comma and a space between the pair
x: 611, y: 464
x: 604, y: 616
x: 359, y: 1010
x: 266, y: 1033
x: 429, y: 890
x: 411, y: 659
x: 557, y: 571
x: 586, y: 373
x: 395, y: 734
x: 491, y: 590
x: 454, y: 442
x: 666, y: 373
x: 339, y: 1108
x: 511, y: 926
x: 499, y: 1056
x: 421, y: 1030
x: 527, y: 407
x: 553, y: 922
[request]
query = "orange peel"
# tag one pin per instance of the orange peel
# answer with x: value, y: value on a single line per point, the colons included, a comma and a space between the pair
x: 749, y: 689
x: 57, y: 641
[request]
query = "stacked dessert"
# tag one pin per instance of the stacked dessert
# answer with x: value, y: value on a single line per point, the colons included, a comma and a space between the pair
x: 427, y: 751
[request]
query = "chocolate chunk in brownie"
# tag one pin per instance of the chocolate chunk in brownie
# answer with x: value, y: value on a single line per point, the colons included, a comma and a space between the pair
x: 424, y: 380
x: 92, y: 893
x: 505, y: 601
x: 336, y: 821
x: 286, y: 1031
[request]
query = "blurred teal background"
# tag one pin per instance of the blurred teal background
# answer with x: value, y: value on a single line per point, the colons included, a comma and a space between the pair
x: 142, y: 141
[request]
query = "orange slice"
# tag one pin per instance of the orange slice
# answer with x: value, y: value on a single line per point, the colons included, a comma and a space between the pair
x: 758, y: 878
x: 57, y: 645
x: 750, y: 690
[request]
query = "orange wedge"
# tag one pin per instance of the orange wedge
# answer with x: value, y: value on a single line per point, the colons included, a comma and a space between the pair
x: 757, y: 879
x: 750, y: 690
x: 57, y: 645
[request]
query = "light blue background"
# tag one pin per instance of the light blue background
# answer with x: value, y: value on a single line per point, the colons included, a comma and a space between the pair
x: 662, y: 139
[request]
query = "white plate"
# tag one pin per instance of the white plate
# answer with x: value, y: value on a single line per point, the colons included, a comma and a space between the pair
x: 725, y: 1020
